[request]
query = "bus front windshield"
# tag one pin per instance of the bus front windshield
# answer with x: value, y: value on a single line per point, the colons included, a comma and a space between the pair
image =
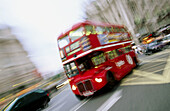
x: 71, y: 69
x: 63, y: 41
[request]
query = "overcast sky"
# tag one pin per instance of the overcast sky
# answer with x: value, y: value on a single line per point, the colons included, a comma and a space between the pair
x: 37, y: 23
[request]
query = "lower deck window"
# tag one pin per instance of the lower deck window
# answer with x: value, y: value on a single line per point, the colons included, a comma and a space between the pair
x: 97, y: 60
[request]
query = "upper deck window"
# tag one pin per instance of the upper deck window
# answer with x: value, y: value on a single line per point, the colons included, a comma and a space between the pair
x: 75, y: 34
x: 100, y: 30
x: 63, y: 42
x: 116, y: 29
x: 123, y: 30
x: 89, y: 29
x: 109, y: 29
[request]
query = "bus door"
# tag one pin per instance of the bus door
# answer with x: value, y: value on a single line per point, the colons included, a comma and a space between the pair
x: 120, y: 62
x: 116, y: 60
x: 127, y: 60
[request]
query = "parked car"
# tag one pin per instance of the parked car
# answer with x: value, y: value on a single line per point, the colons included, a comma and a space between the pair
x: 154, y: 46
x: 30, y: 101
x: 166, y: 39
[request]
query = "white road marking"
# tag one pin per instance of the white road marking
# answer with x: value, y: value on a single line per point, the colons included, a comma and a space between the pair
x: 56, y: 108
x: 166, y: 72
x: 159, y: 60
x: 111, y: 101
x: 62, y: 90
x: 129, y: 79
x: 80, y: 105
x: 59, y: 103
x: 152, y: 57
x: 151, y: 66
x: 156, y: 78
x: 143, y: 83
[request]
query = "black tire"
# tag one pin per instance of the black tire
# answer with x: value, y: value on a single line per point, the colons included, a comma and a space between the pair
x: 159, y: 49
x: 150, y: 53
x: 45, y: 104
x: 136, y: 62
x: 166, y: 47
x: 110, y: 80
x: 80, y: 97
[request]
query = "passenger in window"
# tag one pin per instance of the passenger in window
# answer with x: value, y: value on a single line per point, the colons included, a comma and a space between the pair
x: 120, y: 51
x: 115, y: 53
x: 101, y: 58
x: 111, y: 55
x: 86, y: 64
x: 127, y: 49
x: 74, y: 72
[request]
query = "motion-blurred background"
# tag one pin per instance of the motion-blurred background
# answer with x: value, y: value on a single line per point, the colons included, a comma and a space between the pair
x: 29, y: 30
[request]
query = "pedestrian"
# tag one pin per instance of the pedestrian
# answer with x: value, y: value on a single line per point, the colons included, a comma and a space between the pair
x: 137, y: 49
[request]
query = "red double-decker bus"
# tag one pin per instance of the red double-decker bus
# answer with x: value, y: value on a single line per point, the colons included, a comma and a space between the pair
x: 95, y: 55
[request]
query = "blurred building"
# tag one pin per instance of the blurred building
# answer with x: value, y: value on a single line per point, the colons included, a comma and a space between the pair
x: 16, y: 69
x: 140, y: 16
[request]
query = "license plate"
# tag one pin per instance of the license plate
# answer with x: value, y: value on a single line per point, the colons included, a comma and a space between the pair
x: 88, y: 93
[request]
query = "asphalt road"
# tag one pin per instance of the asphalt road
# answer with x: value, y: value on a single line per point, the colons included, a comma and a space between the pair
x: 146, y: 88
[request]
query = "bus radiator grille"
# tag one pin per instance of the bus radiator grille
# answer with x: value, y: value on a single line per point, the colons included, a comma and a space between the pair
x: 85, y: 86
x: 88, y: 85
x: 81, y: 87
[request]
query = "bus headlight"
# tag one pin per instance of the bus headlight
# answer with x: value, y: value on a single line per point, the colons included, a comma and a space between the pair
x: 98, y: 80
x: 73, y: 87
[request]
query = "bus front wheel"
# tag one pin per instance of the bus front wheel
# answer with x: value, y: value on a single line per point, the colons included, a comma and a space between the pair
x: 136, y: 62
x: 110, y: 80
